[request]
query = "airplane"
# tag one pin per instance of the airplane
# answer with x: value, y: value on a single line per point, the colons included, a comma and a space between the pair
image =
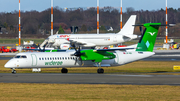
x: 89, y: 57
x: 92, y: 40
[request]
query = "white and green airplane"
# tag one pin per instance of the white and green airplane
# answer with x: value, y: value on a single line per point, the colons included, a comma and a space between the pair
x: 88, y: 58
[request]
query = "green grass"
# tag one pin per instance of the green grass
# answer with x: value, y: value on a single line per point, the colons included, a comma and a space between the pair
x: 86, y: 92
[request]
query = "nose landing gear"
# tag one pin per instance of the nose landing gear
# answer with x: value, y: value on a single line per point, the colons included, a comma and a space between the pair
x: 13, y: 71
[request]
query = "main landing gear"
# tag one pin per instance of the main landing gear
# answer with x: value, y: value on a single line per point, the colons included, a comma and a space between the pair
x: 99, y: 70
x: 64, y: 70
x: 13, y: 71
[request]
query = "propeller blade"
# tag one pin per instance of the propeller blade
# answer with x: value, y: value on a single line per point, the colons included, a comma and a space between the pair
x: 78, y: 55
x: 75, y: 61
x: 81, y: 62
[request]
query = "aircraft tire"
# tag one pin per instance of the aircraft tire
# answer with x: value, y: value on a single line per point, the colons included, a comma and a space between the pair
x: 64, y: 70
x: 13, y: 71
x: 100, y: 71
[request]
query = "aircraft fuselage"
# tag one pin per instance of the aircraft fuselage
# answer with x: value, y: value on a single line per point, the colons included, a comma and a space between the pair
x: 65, y: 59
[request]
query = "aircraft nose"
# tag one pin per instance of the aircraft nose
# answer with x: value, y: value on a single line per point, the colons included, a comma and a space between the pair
x: 8, y: 64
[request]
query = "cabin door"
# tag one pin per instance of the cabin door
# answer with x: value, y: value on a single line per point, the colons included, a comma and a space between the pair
x: 34, y: 59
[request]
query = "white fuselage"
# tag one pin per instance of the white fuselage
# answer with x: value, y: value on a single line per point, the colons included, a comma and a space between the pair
x: 64, y: 59
x: 90, y: 40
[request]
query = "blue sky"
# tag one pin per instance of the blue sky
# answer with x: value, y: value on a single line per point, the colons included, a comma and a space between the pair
x: 40, y: 5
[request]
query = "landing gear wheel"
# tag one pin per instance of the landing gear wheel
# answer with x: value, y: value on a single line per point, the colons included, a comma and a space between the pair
x: 64, y: 70
x: 100, y: 71
x: 13, y: 71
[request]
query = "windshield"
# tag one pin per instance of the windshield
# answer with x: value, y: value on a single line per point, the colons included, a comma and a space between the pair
x: 20, y: 56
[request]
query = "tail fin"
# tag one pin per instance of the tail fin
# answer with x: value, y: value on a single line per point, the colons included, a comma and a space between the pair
x: 147, y: 41
x: 128, y: 28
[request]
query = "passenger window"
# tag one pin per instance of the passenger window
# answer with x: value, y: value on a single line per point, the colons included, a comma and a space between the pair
x: 55, y: 58
x: 42, y: 58
x: 39, y: 58
x: 60, y: 58
x: 50, y: 59
x: 63, y: 58
x: 47, y: 58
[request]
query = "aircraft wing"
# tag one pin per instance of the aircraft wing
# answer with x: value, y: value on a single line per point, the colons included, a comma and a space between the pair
x: 114, y: 49
x: 80, y: 43
x: 119, y: 48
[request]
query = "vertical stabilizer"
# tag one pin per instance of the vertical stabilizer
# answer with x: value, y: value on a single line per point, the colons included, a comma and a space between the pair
x: 128, y: 28
x: 147, y: 41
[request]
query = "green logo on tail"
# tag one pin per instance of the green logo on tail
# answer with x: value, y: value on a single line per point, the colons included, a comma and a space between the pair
x: 148, y: 39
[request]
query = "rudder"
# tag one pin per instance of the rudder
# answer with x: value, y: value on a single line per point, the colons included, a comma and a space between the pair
x: 128, y: 28
x: 147, y: 41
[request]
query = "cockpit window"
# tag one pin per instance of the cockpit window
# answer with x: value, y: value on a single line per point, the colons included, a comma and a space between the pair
x: 23, y: 56
x: 18, y: 56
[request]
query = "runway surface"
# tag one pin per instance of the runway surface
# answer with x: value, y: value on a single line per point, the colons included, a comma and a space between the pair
x: 118, y: 79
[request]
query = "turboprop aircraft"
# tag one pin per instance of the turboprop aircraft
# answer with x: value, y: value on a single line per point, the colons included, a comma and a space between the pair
x: 92, y: 40
x: 88, y: 58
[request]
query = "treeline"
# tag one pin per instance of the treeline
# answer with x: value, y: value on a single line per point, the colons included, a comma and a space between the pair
x: 39, y: 23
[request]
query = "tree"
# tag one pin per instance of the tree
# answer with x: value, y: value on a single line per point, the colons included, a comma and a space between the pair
x: 129, y: 10
x: 5, y: 25
x: 84, y: 28
x: 102, y: 28
x: 60, y: 31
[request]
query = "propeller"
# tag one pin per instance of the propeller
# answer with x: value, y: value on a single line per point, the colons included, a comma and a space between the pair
x: 77, y: 54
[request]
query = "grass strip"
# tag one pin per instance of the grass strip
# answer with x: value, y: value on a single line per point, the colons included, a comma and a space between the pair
x: 81, y: 92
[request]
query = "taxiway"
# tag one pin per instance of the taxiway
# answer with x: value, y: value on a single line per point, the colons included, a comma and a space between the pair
x: 118, y: 79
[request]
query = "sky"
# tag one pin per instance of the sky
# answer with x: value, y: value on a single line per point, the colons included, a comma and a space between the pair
x: 41, y: 5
